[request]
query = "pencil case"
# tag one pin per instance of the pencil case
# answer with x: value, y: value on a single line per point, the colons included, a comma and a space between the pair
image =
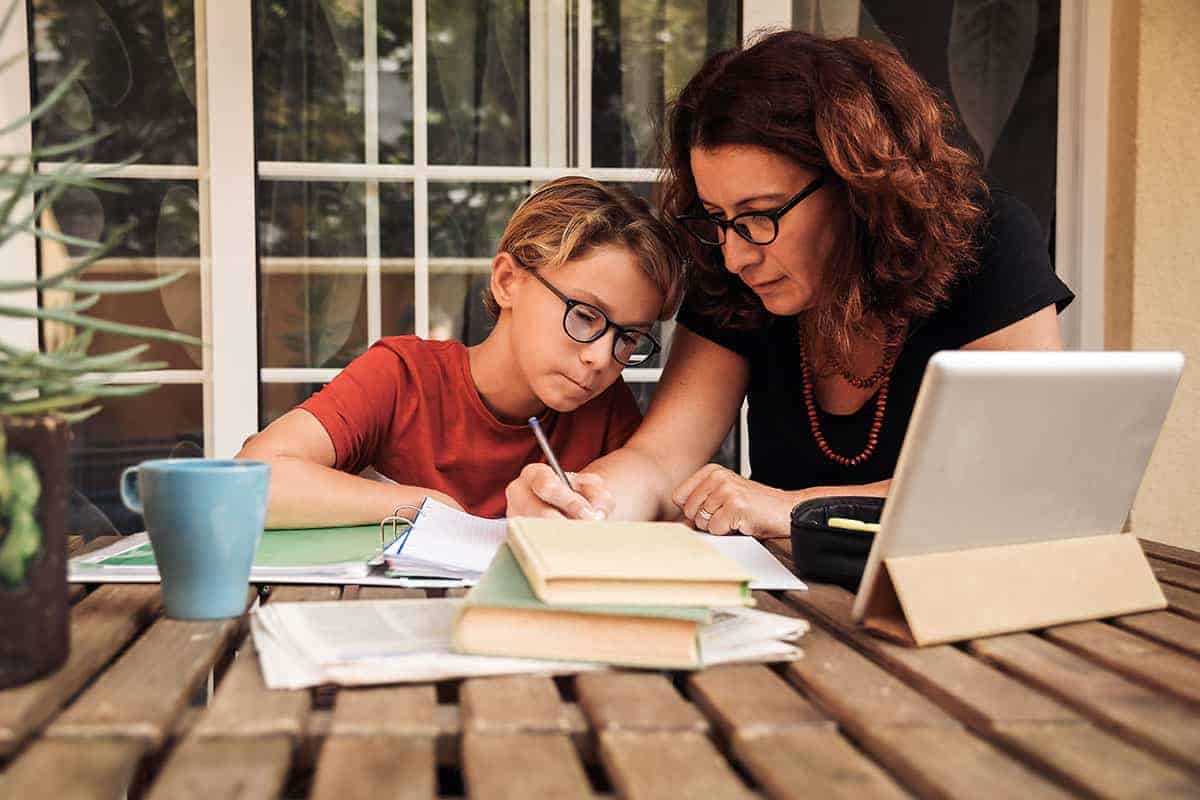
x: 833, y: 555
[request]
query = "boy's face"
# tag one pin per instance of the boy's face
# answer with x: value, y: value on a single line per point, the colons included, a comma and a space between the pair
x: 564, y: 373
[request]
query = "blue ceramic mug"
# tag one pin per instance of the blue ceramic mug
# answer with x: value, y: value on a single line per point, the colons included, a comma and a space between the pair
x: 205, y: 518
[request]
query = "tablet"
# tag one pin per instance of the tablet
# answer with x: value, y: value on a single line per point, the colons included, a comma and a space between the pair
x: 1012, y: 447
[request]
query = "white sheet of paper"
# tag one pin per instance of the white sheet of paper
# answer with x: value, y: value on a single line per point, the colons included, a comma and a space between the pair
x: 443, y: 535
x: 765, y: 568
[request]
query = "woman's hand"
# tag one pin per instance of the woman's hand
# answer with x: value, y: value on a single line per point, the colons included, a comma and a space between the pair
x: 539, y: 492
x: 718, y: 500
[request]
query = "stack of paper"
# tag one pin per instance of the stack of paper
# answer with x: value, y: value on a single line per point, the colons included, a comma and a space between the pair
x: 405, y: 641
x: 444, y: 542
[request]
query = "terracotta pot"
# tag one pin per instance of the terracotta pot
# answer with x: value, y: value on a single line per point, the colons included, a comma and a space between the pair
x: 34, y: 610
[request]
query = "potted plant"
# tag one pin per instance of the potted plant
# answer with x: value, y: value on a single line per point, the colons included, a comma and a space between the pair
x: 42, y: 393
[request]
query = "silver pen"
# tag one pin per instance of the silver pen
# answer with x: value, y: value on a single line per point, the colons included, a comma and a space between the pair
x: 545, y: 443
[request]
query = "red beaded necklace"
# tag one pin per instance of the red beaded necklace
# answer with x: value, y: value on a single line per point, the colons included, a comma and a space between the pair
x: 882, y: 375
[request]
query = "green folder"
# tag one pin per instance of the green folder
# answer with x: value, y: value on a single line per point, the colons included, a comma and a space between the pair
x: 312, y: 547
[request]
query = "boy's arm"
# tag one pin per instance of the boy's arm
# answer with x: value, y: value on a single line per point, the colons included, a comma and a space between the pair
x: 307, y: 492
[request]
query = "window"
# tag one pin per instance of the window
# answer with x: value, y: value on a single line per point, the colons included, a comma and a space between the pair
x: 384, y: 144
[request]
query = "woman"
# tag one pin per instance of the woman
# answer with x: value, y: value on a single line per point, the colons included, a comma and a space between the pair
x: 839, y: 240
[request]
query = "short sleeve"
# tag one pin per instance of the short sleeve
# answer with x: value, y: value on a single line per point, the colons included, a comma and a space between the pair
x: 742, y: 342
x: 357, y: 407
x: 1014, y: 277
x: 623, y: 419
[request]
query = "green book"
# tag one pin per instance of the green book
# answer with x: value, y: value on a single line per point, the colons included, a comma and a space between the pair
x: 306, y: 549
x: 502, y: 616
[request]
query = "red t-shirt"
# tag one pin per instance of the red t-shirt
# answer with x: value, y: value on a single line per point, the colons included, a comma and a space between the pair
x: 409, y: 408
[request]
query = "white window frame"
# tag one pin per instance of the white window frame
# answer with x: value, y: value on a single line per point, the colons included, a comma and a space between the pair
x: 231, y: 374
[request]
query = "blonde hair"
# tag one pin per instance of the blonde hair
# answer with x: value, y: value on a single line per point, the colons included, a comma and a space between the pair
x: 568, y: 217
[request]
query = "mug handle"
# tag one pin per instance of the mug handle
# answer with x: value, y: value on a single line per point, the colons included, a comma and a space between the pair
x: 130, y: 496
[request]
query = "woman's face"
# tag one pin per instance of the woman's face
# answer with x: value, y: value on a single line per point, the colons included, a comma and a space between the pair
x: 785, y: 274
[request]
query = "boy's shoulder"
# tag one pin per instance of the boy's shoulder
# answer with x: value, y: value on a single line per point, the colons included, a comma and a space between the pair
x: 414, y: 348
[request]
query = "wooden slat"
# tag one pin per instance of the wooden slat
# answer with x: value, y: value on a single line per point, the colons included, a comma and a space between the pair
x: 522, y: 766
x: 1014, y: 715
x: 635, y: 701
x: 457, y: 591
x: 812, y: 762
x: 145, y: 691
x: 65, y: 770
x: 1139, y: 658
x: 386, y: 711
x: 949, y: 762
x: 380, y: 737
x: 971, y: 690
x: 1149, y: 719
x: 751, y: 700
x: 204, y: 769
x: 387, y: 593
x: 512, y: 704
x: 101, y: 625
x: 354, y: 767
x: 668, y: 764
x: 1182, y: 601
x: 857, y: 692
x: 1097, y: 763
x: 918, y: 741
x: 245, y: 708
x: 290, y: 593
x: 1176, y: 575
x: 1167, y: 552
x: 1163, y: 626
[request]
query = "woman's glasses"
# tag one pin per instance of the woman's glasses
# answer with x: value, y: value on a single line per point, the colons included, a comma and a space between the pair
x: 586, y: 323
x: 756, y: 227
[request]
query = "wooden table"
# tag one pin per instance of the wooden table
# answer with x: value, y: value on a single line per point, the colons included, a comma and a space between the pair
x: 1097, y: 709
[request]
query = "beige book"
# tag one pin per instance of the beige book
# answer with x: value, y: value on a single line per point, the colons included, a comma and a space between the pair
x: 627, y: 563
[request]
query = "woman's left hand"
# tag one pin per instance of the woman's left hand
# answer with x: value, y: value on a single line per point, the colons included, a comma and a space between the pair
x: 718, y: 500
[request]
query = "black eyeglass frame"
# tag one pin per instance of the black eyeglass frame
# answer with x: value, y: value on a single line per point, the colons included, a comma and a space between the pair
x: 571, y: 303
x: 723, y: 225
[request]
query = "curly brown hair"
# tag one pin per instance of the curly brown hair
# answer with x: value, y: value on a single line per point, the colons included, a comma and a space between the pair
x: 855, y: 110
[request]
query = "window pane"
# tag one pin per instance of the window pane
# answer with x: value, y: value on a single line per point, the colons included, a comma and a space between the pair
x: 313, y: 292
x: 466, y: 223
x: 164, y: 238
x: 398, y: 288
x: 394, y: 46
x: 644, y: 51
x: 1011, y: 111
x: 308, y: 80
x: 728, y: 455
x: 140, y: 79
x: 479, y: 82
x: 280, y: 398
x: 168, y: 422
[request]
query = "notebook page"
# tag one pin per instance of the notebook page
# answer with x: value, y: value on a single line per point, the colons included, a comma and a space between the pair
x: 765, y: 568
x: 444, y: 535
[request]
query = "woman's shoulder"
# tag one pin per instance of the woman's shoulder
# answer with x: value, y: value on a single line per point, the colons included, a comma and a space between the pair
x: 1013, y: 275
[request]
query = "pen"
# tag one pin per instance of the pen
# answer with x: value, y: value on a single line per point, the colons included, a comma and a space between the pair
x: 541, y: 437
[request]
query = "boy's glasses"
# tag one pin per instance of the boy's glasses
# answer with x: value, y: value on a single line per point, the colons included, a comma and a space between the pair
x: 756, y: 227
x: 585, y: 323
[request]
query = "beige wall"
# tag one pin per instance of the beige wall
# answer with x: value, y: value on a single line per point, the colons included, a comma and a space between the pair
x: 1153, y: 249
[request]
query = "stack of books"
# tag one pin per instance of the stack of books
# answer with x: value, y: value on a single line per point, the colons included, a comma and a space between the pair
x: 627, y: 594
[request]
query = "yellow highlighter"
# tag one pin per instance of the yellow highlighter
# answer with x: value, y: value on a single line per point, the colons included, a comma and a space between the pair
x: 853, y: 525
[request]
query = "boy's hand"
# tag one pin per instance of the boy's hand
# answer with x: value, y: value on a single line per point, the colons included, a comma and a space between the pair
x: 538, y: 492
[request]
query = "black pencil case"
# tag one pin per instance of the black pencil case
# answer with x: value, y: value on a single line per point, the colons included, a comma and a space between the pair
x: 833, y: 555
